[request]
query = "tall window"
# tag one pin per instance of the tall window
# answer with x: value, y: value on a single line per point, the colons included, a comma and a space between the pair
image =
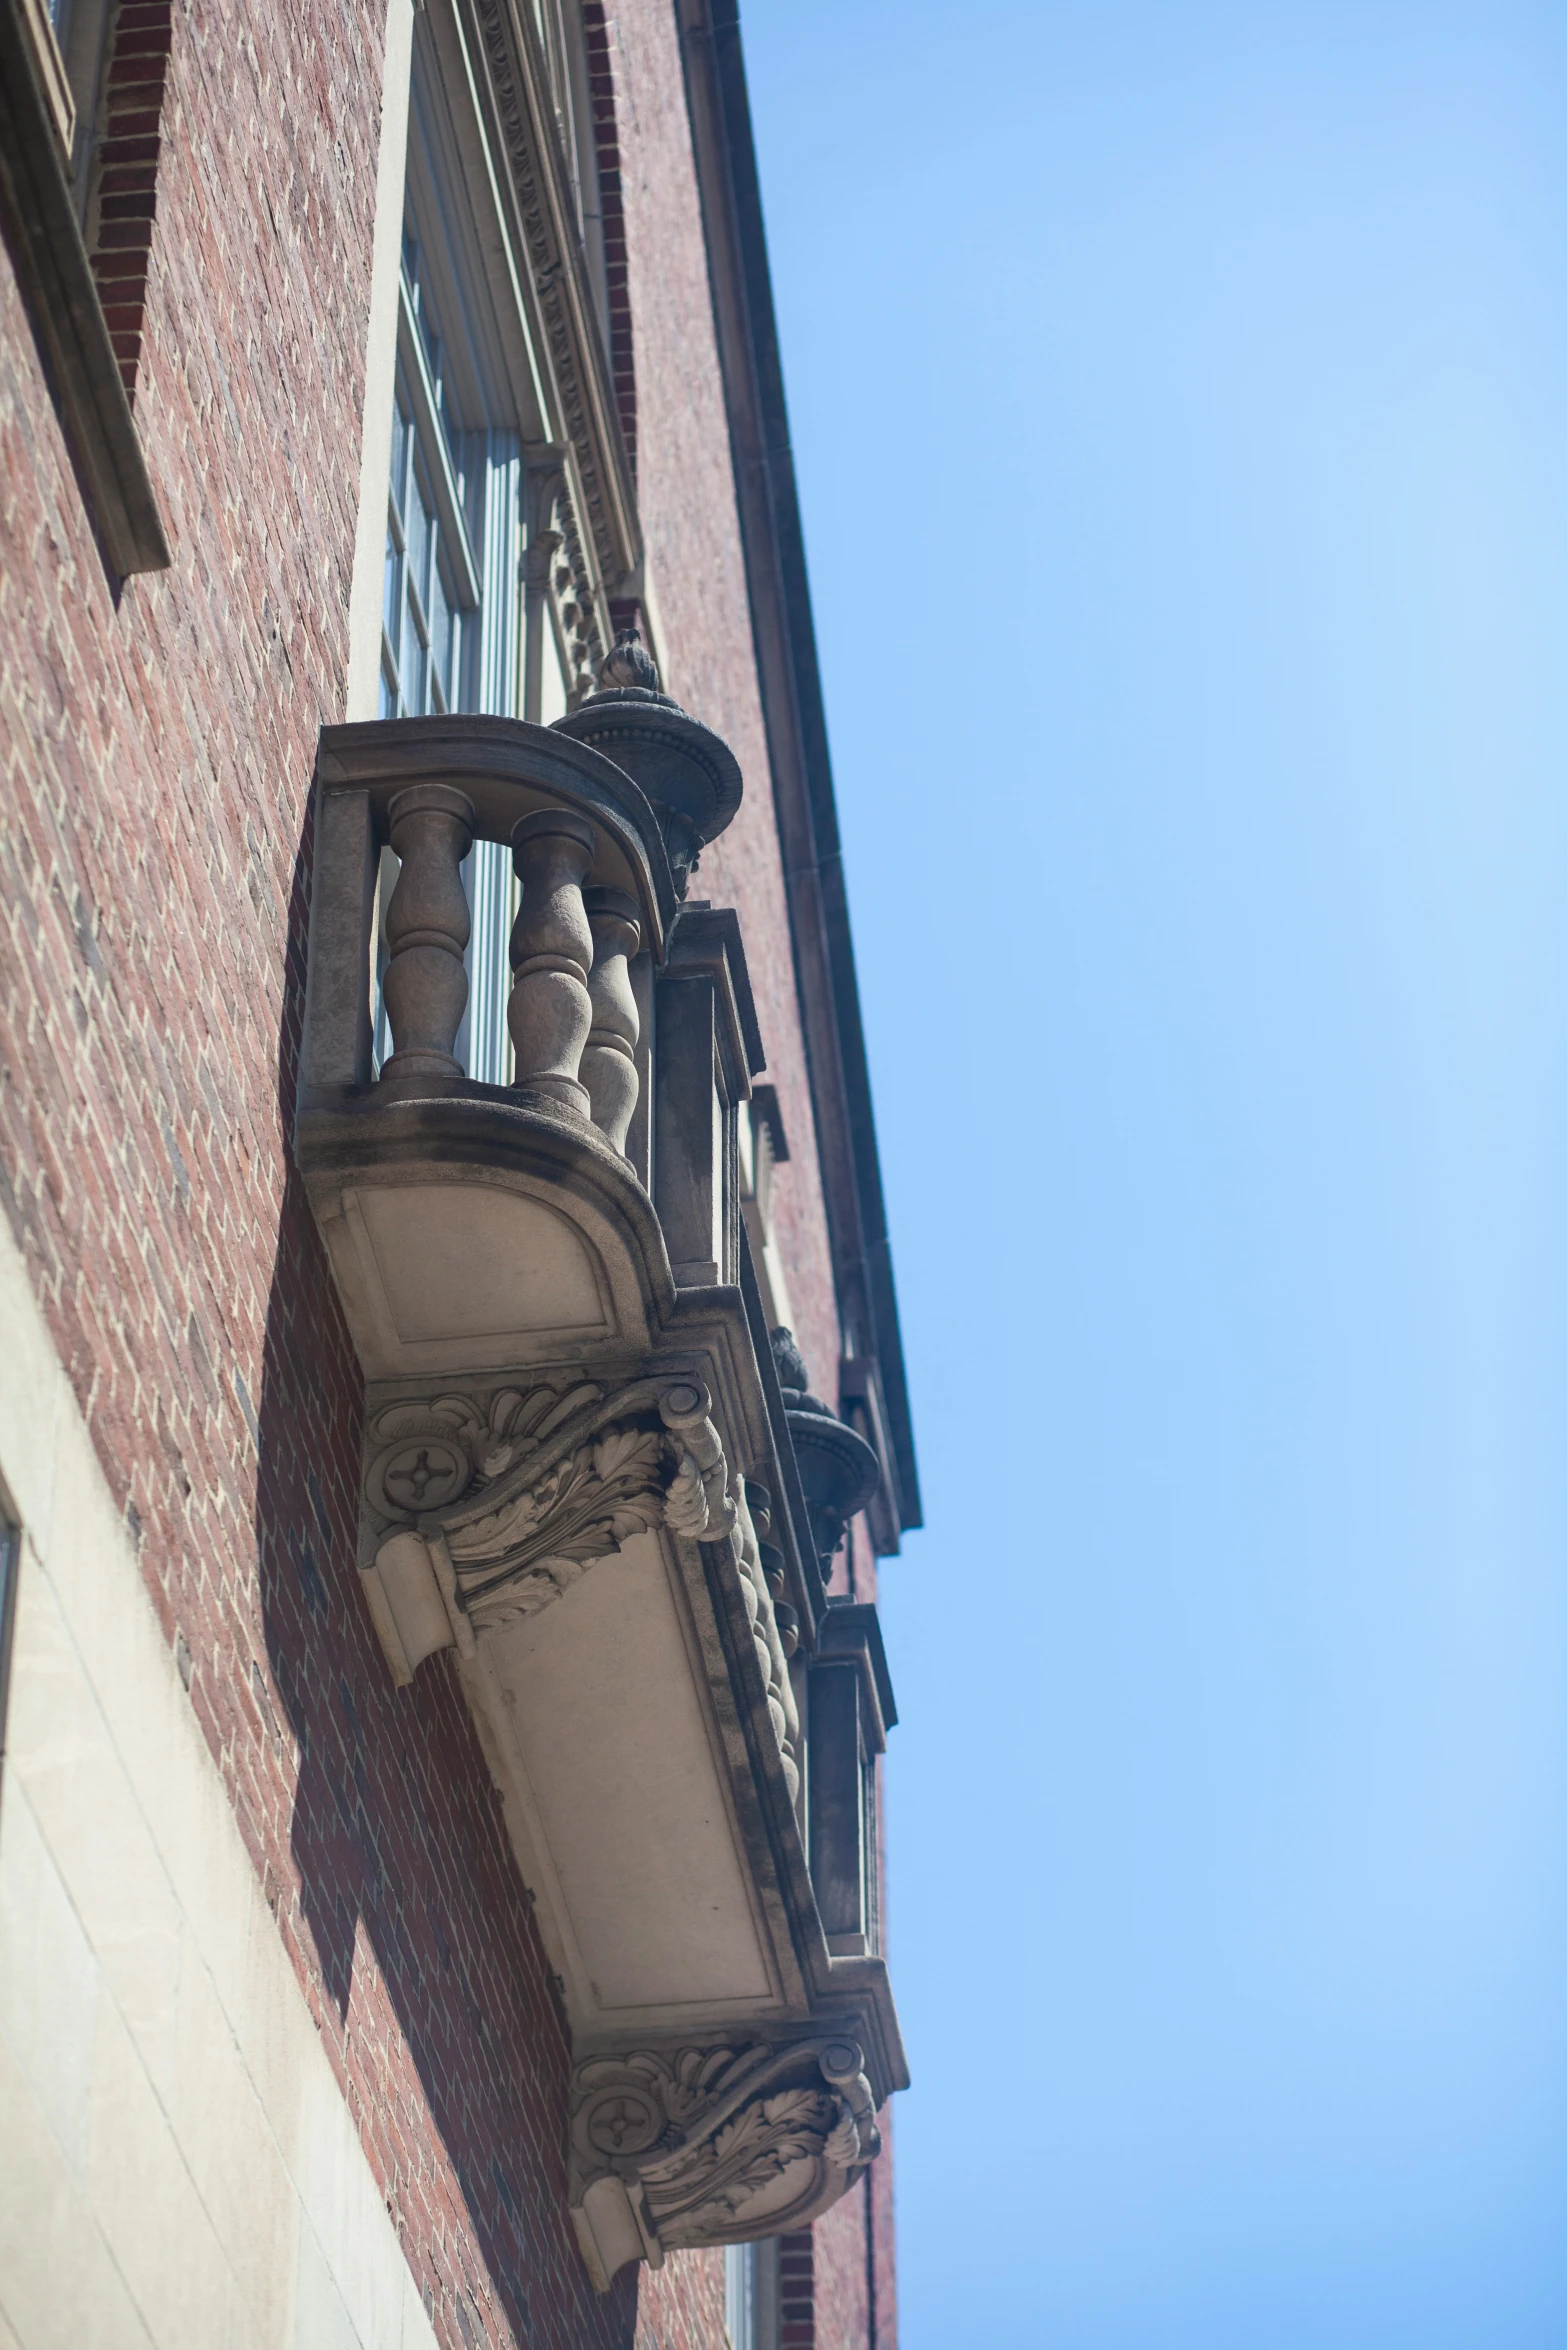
x: 67, y: 40
x: 450, y: 608
x: 740, y: 2295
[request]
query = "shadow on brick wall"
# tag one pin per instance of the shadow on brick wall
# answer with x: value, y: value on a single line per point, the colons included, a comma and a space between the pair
x: 397, y: 1891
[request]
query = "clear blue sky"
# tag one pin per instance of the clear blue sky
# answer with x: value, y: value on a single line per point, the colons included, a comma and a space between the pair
x: 1180, y: 404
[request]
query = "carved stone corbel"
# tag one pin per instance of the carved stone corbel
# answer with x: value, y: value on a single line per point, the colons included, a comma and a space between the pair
x: 480, y: 1511
x: 708, y: 2145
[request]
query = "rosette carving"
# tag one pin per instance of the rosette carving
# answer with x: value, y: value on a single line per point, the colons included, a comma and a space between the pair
x: 424, y: 1456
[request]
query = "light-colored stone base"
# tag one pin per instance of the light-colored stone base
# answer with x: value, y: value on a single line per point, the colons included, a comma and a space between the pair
x: 177, y: 2166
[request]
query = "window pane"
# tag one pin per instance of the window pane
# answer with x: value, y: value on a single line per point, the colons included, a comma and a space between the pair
x: 739, y: 2297
x: 421, y: 534
x: 416, y: 671
x: 392, y: 590
x: 442, y: 632
x: 414, y: 665
x: 402, y: 433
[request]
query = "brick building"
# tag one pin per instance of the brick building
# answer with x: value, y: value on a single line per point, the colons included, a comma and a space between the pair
x: 440, y: 1862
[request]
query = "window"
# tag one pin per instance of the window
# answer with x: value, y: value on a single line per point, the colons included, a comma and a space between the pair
x: 436, y: 510
x: 752, y: 2315
x: 450, y: 606
x: 67, y: 41
x: 740, y: 2295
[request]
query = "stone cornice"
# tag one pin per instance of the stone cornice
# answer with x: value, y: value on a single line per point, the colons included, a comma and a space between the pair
x: 516, y: 85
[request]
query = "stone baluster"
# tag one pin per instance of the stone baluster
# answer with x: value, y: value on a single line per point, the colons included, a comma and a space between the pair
x: 426, y: 987
x: 609, y: 1064
x: 551, y: 1011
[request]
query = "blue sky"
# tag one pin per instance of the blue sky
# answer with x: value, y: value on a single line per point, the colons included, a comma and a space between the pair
x: 1178, y: 397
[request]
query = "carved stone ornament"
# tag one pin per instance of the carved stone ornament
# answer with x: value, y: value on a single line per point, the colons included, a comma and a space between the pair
x: 708, y: 2145
x: 517, y: 1494
x: 514, y: 1559
x: 838, y: 1469
x: 689, y: 773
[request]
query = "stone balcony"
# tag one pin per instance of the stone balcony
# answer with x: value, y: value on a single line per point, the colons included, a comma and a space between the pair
x: 590, y: 1470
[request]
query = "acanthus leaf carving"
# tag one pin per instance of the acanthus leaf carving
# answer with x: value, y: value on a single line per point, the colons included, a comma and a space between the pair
x: 514, y: 1560
x: 530, y: 1487
x: 718, y: 2145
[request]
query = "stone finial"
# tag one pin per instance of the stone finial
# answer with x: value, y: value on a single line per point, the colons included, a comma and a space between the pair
x: 628, y: 663
x: 838, y: 1469
x: 789, y: 1363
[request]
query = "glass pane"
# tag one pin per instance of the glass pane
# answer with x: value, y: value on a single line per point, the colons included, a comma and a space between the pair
x: 442, y: 633
x: 402, y: 433
x: 739, y: 2297
x: 414, y: 665
x: 421, y: 537
x: 392, y: 589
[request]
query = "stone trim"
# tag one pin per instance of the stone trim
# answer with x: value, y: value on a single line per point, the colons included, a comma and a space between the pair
x: 178, y: 2162
x: 606, y: 144
x: 529, y: 141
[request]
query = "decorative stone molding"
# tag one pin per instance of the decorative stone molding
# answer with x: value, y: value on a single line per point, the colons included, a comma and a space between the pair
x: 518, y: 1557
x: 713, y: 2145
x: 518, y: 85
x: 838, y: 1469
x: 526, y: 1489
x: 560, y: 566
x: 690, y: 775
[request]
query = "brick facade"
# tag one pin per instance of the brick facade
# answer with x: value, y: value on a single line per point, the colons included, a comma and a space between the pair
x: 157, y: 739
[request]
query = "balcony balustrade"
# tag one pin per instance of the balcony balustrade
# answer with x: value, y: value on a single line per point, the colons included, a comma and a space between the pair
x: 585, y: 1473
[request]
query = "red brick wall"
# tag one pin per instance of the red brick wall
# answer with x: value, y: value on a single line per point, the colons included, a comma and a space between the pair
x: 155, y: 756
x: 853, y: 2269
x: 681, y: 2305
